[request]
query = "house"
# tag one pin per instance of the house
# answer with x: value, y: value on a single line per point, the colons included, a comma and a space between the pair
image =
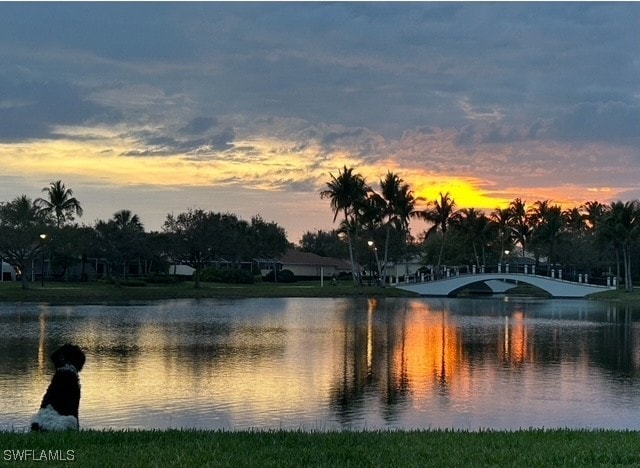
x: 8, y: 273
x: 309, y: 265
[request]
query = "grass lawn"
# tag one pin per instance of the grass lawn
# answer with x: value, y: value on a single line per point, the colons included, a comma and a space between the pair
x: 98, y: 292
x: 532, y: 448
x: 620, y: 296
x: 101, y: 292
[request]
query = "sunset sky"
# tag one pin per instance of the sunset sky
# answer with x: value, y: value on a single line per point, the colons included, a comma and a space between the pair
x: 248, y: 107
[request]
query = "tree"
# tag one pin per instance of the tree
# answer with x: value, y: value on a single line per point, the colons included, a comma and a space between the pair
x: 60, y: 203
x: 576, y: 221
x: 594, y: 211
x: 120, y: 240
x: 549, y: 229
x: 477, y: 229
x: 620, y: 225
x: 399, y: 207
x: 126, y: 220
x: 500, y: 219
x: 21, y: 225
x: 347, y: 193
x: 519, y: 222
x: 440, y: 212
x: 324, y: 243
x: 195, y: 235
x: 266, y: 239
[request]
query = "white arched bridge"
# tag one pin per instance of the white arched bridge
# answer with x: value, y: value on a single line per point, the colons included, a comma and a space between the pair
x: 502, y: 282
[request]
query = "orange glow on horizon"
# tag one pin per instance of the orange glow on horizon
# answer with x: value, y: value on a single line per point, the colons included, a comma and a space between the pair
x: 264, y: 164
x: 466, y: 193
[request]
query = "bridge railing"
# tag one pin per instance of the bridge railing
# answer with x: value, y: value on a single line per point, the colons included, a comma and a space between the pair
x: 571, y: 275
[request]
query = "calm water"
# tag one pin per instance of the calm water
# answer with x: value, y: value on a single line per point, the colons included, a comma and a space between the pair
x: 324, y: 364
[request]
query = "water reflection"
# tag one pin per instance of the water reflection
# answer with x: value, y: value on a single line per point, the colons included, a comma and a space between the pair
x: 331, y: 363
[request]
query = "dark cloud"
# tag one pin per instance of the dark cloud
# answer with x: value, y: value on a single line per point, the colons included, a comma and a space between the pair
x: 340, y: 75
x: 199, y: 125
x: 156, y: 143
x: 223, y: 139
x: 30, y: 109
x: 496, y: 133
x: 615, y: 122
x: 122, y: 31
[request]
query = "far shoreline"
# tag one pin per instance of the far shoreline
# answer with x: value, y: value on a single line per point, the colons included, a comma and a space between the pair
x: 135, y: 291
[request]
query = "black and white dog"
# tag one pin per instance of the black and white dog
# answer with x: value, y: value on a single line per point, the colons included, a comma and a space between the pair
x: 59, y: 408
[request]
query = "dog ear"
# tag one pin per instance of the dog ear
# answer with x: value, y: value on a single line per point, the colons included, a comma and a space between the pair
x: 78, y: 358
x: 58, y: 357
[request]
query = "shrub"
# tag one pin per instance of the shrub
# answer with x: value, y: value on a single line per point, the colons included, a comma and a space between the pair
x: 226, y: 276
x: 284, y: 276
x: 162, y: 279
x: 133, y: 283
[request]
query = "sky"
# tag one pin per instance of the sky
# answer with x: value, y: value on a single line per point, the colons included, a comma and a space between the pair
x: 249, y: 108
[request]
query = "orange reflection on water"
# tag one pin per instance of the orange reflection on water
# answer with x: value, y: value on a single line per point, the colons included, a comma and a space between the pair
x: 430, y: 356
x: 516, y: 341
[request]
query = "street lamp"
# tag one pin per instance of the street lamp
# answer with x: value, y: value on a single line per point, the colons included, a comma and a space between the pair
x: 370, y: 243
x: 43, y: 237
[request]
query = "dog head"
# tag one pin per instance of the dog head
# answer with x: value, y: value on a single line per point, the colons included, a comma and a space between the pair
x: 68, y: 354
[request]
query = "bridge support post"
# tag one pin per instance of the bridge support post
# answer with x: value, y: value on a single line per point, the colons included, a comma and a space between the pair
x: 580, y: 278
x: 560, y: 274
x: 526, y: 269
x: 533, y: 270
x: 586, y: 277
x: 473, y: 269
x: 499, y: 267
x: 553, y: 273
x: 506, y: 268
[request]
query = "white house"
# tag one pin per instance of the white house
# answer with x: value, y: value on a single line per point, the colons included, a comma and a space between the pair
x: 305, y: 264
x: 8, y: 273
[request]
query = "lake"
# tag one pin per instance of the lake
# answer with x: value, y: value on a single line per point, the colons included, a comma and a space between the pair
x: 330, y: 364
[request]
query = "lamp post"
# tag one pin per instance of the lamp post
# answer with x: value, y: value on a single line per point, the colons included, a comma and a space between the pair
x: 370, y: 243
x: 43, y: 237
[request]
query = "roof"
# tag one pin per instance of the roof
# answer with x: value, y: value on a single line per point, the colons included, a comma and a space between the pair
x: 296, y: 257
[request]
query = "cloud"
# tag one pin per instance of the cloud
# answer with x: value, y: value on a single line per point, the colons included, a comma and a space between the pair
x: 616, y: 122
x: 31, y: 109
x: 199, y: 125
x: 276, y: 96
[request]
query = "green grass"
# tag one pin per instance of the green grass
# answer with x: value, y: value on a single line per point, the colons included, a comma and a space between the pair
x: 618, y: 295
x: 530, y: 448
x: 99, y: 292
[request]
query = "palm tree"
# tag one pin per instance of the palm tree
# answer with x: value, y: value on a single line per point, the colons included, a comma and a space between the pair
x: 120, y: 240
x: 594, y: 212
x: 576, y: 221
x: 125, y: 219
x: 476, y: 227
x: 59, y: 203
x: 550, y: 229
x: 620, y: 226
x: 440, y: 212
x: 399, y: 207
x: 347, y: 193
x: 520, y: 223
x: 500, y: 218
